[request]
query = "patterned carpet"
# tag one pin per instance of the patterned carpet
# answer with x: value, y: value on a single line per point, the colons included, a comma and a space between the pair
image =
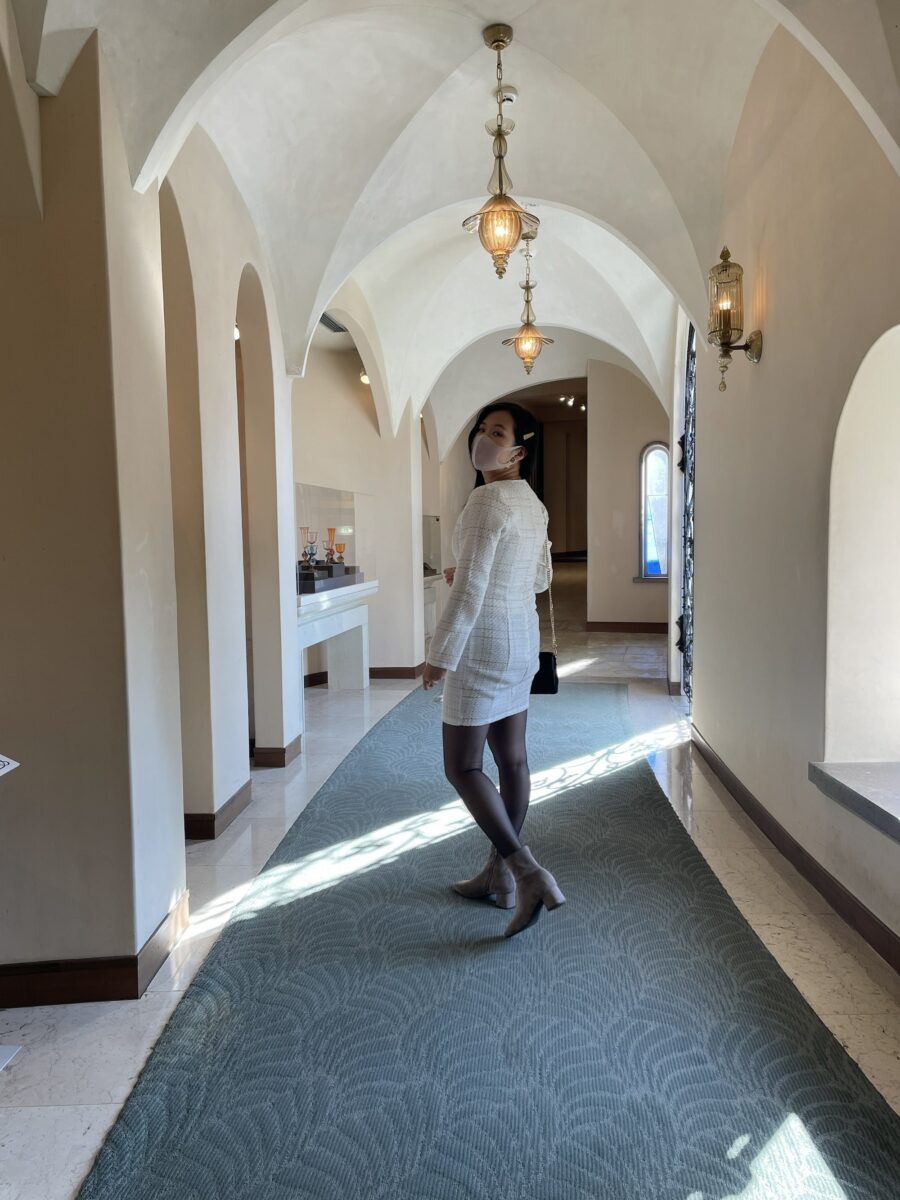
x: 359, y: 1032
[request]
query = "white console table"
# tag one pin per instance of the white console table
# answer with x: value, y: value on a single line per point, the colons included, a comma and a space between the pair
x: 339, y: 617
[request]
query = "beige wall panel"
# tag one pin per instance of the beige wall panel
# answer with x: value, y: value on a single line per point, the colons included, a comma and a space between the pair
x: 555, y: 484
x: 91, y: 853
x: 576, y: 487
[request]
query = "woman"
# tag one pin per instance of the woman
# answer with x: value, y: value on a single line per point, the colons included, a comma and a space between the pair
x: 488, y: 639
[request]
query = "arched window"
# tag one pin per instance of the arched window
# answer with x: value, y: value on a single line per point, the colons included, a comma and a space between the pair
x: 655, y: 511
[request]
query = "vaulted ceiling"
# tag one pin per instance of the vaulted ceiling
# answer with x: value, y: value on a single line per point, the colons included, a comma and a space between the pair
x: 355, y: 132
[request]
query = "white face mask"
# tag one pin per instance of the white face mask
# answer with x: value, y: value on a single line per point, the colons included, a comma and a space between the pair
x: 487, y: 457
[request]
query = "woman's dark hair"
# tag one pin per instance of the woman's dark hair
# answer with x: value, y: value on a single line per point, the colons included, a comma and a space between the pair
x: 526, y: 431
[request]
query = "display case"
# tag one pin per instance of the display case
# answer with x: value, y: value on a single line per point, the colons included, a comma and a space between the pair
x: 335, y: 538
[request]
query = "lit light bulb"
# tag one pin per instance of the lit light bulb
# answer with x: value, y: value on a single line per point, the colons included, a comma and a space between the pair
x: 584, y: 408
x: 571, y: 401
x: 363, y: 378
x: 237, y: 334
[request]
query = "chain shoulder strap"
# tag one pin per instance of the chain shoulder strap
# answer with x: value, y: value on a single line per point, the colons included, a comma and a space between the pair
x: 549, y: 566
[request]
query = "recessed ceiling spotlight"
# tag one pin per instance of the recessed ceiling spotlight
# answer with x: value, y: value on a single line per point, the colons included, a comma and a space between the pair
x: 237, y: 334
x: 363, y: 378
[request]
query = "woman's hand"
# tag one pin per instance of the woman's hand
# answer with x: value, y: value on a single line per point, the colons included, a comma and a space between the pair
x: 449, y: 572
x: 432, y: 675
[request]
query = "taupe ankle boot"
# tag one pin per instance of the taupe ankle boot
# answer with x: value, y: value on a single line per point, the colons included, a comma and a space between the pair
x: 535, y: 889
x: 494, y: 880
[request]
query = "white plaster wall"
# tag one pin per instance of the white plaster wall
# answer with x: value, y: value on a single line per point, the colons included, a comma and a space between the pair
x: 431, y: 466
x: 338, y: 444
x: 863, y: 675
x: 186, y: 466
x: 457, y: 481
x: 137, y: 332
x: 221, y: 241
x: 811, y: 213
x: 624, y: 416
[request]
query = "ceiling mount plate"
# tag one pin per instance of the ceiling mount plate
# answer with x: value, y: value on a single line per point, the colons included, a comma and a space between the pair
x: 497, y: 37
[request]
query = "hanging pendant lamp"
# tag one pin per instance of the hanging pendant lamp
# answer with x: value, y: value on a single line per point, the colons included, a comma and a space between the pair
x: 500, y: 221
x: 529, y: 341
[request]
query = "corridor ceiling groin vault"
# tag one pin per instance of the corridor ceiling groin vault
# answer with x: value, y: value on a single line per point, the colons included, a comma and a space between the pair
x: 355, y: 133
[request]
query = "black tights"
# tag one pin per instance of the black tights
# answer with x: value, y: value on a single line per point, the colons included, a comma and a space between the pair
x: 500, y: 815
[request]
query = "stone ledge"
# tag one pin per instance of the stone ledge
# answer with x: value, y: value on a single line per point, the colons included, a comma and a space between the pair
x: 869, y: 789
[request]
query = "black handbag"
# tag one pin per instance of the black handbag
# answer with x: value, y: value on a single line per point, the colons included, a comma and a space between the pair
x: 546, y: 681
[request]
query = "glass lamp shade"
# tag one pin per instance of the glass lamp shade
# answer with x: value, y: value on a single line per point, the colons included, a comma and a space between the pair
x: 726, y: 302
x: 528, y: 343
x: 500, y: 223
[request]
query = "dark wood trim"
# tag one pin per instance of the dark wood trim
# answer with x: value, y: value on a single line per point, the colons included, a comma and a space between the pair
x: 81, y: 980
x: 315, y: 678
x: 276, y: 756
x: 627, y: 626
x: 674, y: 687
x: 206, y: 826
x: 396, y: 672
x: 882, y: 939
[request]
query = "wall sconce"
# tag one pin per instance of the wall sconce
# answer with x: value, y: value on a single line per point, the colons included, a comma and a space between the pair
x: 363, y: 378
x: 726, y: 314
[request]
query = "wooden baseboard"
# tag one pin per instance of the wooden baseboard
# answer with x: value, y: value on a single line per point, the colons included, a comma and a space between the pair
x: 315, y: 678
x: 82, y: 980
x: 276, y: 756
x: 206, y: 826
x: 627, y: 626
x: 882, y: 939
x: 674, y: 688
x: 396, y: 672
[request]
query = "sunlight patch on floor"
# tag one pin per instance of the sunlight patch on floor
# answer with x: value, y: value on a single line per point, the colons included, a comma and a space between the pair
x: 571, y: 668
x: 325, y: 868
x: 790, y: 1167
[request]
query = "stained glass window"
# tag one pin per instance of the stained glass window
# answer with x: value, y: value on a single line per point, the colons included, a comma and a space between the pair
x: 655, y: 512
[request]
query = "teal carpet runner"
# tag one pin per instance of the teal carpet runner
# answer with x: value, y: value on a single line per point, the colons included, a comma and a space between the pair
x: 360, y: 1032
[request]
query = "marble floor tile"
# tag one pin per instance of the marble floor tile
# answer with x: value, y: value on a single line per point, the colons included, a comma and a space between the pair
x: 762, y: 888
x: 831, y: 980
x: 79, y: 1053
x: 45, y: 1152
x: 873, y: 1042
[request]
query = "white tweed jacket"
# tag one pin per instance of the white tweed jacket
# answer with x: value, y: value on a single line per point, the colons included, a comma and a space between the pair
x: 502, y: 559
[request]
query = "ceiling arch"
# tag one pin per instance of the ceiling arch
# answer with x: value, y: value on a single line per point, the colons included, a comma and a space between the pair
x: 485, y: 372
x: 168, y: 59
x: 430, y: 292
x: 347, y: 124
